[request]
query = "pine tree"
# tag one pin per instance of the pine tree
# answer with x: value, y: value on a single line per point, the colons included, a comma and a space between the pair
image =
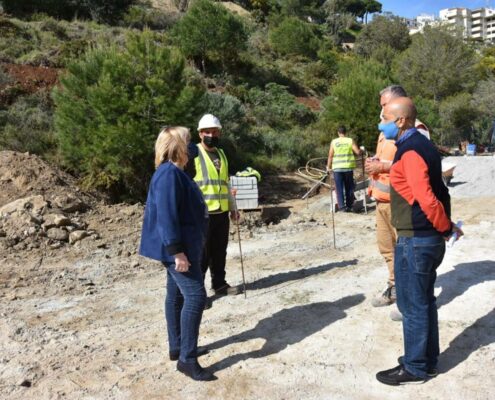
x: 111, y: 105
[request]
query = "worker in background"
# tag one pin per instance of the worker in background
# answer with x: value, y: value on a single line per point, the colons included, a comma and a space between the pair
x: 378, y: 169
x: 212, y: 177
x: 420, y: 211
x: 342, y: 161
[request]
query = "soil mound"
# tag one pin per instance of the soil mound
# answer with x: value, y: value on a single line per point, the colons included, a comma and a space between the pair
x: 39, y: 204
x: 24, y: 174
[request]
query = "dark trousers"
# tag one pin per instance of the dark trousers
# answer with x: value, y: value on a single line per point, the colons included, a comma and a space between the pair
x: 215, y: 253
x: 344, y: 185
x: 184, y: 305
x: 416, y: 262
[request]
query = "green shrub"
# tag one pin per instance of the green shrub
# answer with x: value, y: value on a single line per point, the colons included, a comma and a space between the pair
x: 140, y: 17
x: 49, y: 24
x: 100, y: 10
x: 111, y: 105
x: 354, y: 102
x: 209, y: 32
x: 457, y: 116
x: 380, y: 32
x: 294, y: 37
x: 5, y: 78
x: 438, y: 64
x: 28, y: 125
x: 16, y: 39
x: 276, y: 107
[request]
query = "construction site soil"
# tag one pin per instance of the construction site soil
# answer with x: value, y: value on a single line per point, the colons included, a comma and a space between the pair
x: 81, y: 314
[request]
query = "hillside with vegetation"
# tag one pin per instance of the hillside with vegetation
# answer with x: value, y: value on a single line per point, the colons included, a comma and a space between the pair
x: 87, y: 84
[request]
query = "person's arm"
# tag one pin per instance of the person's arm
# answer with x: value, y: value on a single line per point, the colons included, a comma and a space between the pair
x: 330, y: 158
x: 168, y: 197
x: 418, y: 180
x: 355, y: 149
x: 234, y: 214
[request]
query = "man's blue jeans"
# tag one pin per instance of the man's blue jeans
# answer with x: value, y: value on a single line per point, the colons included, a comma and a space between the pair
x: 184, y: 305
x: 344, y: 185
x: 416, y: 261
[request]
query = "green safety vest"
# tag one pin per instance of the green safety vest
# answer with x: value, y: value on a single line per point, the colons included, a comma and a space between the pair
x: 214, y: 187
x: 343, y: 157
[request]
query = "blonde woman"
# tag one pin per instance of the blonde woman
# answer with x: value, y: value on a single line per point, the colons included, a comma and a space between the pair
x: 174, y: 232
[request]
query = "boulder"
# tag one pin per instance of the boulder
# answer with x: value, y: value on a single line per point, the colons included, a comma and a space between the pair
x: 70, y: 203
x: 77, y: 236
x: 35, y: 204
x: 57, y: 234
x: 61, y: 220
x: 52, y: 220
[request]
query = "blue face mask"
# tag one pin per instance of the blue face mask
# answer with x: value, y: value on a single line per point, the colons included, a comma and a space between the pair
x: 389, y: 129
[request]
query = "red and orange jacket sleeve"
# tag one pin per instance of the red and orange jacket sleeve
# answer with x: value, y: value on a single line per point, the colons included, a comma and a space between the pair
x: 417, y: 180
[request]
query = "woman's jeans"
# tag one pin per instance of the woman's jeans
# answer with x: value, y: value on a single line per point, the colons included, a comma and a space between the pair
x: 184, y: 305
x: 416, y: 261
x: 344, y: 185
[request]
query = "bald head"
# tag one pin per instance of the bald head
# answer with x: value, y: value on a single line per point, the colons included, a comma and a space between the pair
x: 401, y: 107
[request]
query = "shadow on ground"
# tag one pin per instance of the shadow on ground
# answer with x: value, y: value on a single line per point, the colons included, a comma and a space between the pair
x: 284, y: 277
x: 285, y: 328
x: 481, y: 333
x: 457, y: 281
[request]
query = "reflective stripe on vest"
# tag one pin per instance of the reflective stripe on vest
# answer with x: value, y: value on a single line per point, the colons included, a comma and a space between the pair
x: 380, y: 186
x: 380, y: 183
x: 214, y: 187
x: 343, y: 157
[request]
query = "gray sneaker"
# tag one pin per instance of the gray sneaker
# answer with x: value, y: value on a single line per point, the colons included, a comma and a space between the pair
x: 395, y: 315
x: 386, y: 298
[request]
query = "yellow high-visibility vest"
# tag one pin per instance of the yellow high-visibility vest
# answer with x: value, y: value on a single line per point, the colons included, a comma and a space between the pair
x: 343, y: 157
x: 213, y: 185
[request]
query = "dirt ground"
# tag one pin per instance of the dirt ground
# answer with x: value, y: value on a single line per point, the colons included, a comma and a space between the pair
x: 85, y: 320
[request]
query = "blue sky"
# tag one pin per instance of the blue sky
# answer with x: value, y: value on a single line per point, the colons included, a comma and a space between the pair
x: 412, y: 8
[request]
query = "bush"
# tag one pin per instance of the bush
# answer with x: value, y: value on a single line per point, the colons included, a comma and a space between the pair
x: 141, y: 17
x: 110, y: 108
x: 276, y: 107
x: 109, y: 11
x: 5, y: 78
x: 354, y: 102
x: 380, y: 32
x: 283, y: 150
x: 209, y: 32
x: 438, y: 64
x: 16, y: 39
x: 28, y: 125
x: 294, y: 37
x: 457, y: 115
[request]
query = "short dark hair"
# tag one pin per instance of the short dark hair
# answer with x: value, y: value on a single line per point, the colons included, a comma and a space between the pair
x: 394, y: 90
x: 342, y: 129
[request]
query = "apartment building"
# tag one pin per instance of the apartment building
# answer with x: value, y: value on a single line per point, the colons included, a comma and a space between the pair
x: 478, y: 24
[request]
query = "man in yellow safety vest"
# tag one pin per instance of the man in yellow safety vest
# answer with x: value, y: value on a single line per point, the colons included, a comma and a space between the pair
x: 212, y: 177
x: 341, y: 161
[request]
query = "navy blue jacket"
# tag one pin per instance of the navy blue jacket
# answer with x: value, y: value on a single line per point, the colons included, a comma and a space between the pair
x: 175, y: 217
